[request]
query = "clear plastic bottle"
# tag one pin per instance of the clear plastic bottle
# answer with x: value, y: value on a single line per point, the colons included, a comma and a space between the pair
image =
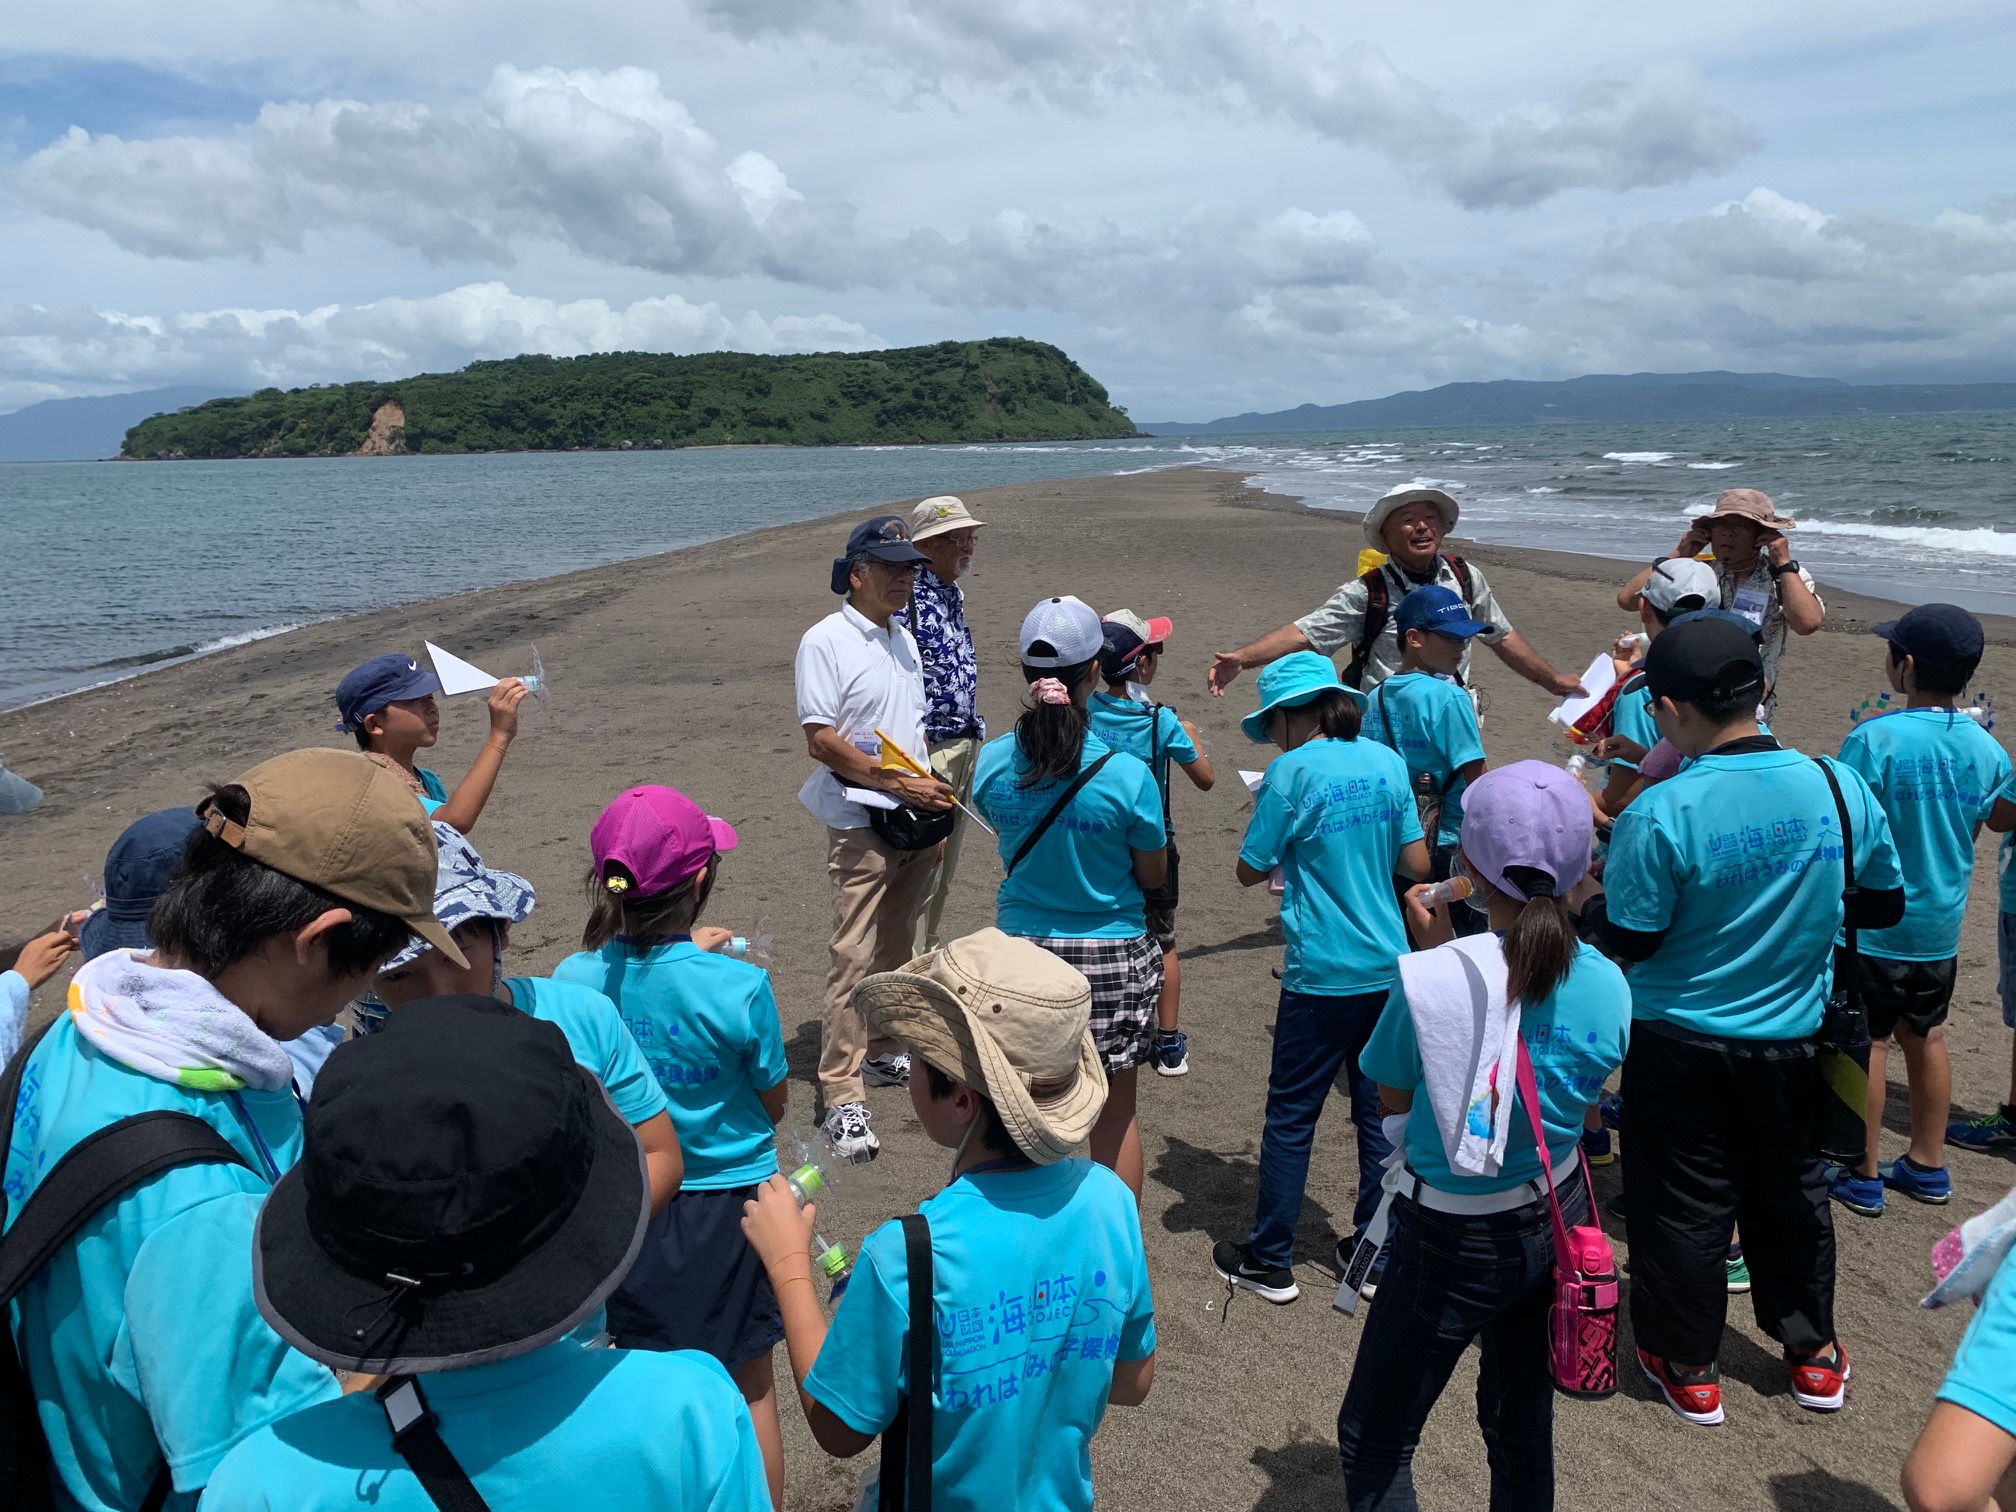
x: 1440, y: 893
x: 807, y: 1182
x: 754, y: 947
x: 1578, y: 764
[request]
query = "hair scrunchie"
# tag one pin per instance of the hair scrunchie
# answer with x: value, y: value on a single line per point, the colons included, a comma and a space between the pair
x: 1047, y: 690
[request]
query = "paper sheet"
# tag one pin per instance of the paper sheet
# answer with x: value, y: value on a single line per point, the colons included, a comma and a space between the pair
x: 869, y: 798
x: 457, y: 675
x: 1252, y: 780
x: 1599, y: 679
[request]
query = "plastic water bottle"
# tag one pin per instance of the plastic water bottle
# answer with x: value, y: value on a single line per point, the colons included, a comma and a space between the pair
x: 1440, y: 894
x: 1578, y: 763
x: 754, y: 947
x: 807, y: 1182
x: 1277, y: 882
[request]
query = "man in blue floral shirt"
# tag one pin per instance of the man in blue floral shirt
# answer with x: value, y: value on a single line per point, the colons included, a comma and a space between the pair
x: 944, y: 531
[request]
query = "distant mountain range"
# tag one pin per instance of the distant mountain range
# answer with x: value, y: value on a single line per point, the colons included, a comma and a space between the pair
x: 84, y: 430
x: 1612, y: 397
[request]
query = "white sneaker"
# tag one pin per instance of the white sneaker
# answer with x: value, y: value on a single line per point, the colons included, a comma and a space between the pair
x: 846, y: 1127
x: 887, y: 1070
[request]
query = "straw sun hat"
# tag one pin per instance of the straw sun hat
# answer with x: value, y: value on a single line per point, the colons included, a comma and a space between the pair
x: 1008, y: 1019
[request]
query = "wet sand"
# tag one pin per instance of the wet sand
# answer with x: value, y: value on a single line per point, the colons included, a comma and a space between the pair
x: 677, y: 669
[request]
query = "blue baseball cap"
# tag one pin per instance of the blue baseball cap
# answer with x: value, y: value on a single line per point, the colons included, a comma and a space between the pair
x: 367, y: 688
x: 1937, y: 635
x: 137, y: 869
x: 885, y: 538
x: 1290, y: 682
x: 1437, y: 609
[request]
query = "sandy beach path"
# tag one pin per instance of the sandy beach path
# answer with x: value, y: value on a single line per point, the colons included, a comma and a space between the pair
x: 678, y: 669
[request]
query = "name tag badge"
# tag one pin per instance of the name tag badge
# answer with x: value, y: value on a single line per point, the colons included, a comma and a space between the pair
x: 1753, y: 602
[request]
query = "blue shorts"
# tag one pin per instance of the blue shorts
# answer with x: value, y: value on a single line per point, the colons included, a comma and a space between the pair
x: 2005, y: 954
x: 697, y: 1284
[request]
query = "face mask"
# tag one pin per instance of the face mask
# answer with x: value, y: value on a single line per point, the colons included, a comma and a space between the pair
x: 1477, y: 898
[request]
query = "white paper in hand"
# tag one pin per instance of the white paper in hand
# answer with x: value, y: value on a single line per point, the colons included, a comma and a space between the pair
x: 1252, y: 780
x: 457, y: 675
x: 1602, y: 674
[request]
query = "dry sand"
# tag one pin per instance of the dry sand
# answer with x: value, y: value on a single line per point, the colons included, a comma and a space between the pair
x: 678, y: 669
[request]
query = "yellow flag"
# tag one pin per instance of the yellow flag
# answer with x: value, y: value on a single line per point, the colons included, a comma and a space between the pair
x: 896, y: 759
x: 1369, y: 559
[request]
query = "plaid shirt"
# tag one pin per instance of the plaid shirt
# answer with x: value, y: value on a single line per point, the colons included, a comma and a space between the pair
x: 951, y: 670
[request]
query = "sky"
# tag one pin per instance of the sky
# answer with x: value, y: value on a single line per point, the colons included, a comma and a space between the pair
x: 1213, y: 205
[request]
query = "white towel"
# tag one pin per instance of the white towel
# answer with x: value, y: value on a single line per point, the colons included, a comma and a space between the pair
x: 1463, y: 1024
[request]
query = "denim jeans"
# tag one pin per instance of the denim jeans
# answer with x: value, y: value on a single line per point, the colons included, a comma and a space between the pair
x: 1316, y: 1043
x: 1450, y: 1279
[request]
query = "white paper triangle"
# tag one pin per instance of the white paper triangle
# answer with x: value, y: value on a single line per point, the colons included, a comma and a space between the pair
x: 457, y: 675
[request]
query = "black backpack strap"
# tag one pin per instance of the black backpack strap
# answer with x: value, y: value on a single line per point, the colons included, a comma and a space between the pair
x: 906, y: 1442
x: 416, y: 1434
x: 1378, y: 609
x: 1849, y: 890
x: 1063, y: 802
x: 1158, y: 768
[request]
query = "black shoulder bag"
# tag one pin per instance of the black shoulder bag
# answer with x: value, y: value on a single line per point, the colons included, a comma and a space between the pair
x: 904, y: 828
x: 1841, y: 1047
x: 1165, y: 896
x: 416, y: 1434
x: 906, y: 1442
x: 1063, y: 802
x: 96, y: 1171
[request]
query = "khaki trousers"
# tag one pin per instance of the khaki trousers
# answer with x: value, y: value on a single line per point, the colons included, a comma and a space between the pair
x: 954, y: 761
x: 877, y: 892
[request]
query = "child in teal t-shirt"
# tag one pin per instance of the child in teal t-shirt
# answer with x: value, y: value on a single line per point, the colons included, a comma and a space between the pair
x: 709, y: 1030
x: 1128, y: 719
x: 1997, y: 1130
x: 389, y: 704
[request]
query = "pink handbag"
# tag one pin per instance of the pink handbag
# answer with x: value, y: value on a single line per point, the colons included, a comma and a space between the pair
x: 1582, y: 1322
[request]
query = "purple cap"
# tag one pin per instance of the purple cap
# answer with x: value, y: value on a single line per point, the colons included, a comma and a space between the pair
x: 658, y: 835
x: 1527, y: 829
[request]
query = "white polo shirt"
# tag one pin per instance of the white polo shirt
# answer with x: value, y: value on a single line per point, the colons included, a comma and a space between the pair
x: 858, y: 678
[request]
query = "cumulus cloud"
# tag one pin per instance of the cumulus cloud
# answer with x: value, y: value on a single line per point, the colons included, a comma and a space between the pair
x: 1658, y: 128
x: 47, y: 352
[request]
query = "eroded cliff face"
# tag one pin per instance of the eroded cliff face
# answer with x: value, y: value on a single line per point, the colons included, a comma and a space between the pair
x: 387, y: 436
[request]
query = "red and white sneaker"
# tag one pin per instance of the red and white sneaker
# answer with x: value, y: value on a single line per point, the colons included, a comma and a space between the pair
x: 1820, y: 1382
x: 1696, y: 1397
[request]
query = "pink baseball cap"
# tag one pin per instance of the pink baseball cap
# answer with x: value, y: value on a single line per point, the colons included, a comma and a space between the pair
x: 1527, y: 827
x: 658, y: 835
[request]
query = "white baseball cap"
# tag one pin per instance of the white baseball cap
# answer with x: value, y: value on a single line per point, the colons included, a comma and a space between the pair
x: 1676, y: 581
x: 1069, y: 628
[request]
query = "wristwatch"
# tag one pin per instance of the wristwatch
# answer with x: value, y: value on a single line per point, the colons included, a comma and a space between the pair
x: 1779, y: 569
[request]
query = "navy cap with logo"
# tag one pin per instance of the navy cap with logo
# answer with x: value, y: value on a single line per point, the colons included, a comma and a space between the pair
x: 1944, y: 637
x: 885, y: 538
x: 1700, y: 657
x: 1438, y: 610
x: 370, y: 686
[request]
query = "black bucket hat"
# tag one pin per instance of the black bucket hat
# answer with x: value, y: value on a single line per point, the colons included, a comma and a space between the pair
x: 466, y: 1193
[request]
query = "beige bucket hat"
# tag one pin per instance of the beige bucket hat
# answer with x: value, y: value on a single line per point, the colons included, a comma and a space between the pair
x: 1376, y: 516
x: 1007, y: 1018
x: 1749, y: 504
x: 941, y: 516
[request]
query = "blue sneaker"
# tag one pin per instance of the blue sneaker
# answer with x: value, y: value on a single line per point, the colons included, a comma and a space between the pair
x: 1610, y: 1108
x: 1171, y: 1053
x: 1856, y: 1192
x: 1918, y: 1183
x: 1596, y: 1147
x: 1991, y: 1131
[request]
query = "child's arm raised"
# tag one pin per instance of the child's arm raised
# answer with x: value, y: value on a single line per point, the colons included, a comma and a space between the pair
x: 465, y: 804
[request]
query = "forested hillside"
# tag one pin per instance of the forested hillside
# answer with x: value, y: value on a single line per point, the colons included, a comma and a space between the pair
x: 1005, y: 389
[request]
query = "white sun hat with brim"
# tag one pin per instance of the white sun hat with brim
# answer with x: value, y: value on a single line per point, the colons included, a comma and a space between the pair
x: 1376, y: 516
x: 941, y: 516
x: 1011, y: 1021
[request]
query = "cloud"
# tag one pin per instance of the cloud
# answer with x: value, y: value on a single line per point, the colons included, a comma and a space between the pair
x: 1658, y: 128
x: 51, y: 352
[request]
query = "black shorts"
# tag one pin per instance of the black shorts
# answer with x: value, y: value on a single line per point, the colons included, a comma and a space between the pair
x: 697, y: 1284
x: 1913, y: 993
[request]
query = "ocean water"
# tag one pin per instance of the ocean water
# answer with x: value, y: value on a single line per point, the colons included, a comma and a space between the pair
x: 114, y: 568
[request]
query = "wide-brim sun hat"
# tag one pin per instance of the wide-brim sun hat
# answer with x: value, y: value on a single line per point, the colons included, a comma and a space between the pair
x: 1290, y: 682
x: 379, y: 1255
x: 941, y: 515
x: 1010, y: 1020
x: 1400, y: 498
x: 1750, y: 504
x: 467, y: 889
x: 102, y: 932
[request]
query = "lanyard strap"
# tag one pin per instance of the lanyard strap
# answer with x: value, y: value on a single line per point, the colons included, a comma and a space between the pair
x: 416, y: 1434
x: 1529, y: 1093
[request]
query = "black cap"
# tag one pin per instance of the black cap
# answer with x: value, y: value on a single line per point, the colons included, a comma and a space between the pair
x: 885, y: 538
x: 1937, y: 635
x: 1698, y: 657
x: 465, y: 1193
x: 1119, y: 651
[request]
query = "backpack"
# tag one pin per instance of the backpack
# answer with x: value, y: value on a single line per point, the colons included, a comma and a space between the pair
x: 1379, y: 609
x: 97, y: 1171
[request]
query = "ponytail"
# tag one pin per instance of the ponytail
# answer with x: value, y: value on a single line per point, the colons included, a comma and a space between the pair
x: 616, y: 911
x: 1050, y: 736
x: 1540, y: 945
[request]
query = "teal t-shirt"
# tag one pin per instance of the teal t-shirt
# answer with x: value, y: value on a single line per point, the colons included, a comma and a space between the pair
x: 1334, y: 815
x: 143, y: 1330
x: 1982, y: 1377
x: 598, y: 1039
x: 2006, y: 861
x: 1039, y: 1285
x: 1576, y: 1036
x: 1433, y: 725
x: 1936, y: 772
x: 1738, y: 860
x: 433, y: 792
x: 1126, y: 726
x: 564, y: 1426
x: 1631, y: 717
x: 708, y: 1027
x: 1078, y: 882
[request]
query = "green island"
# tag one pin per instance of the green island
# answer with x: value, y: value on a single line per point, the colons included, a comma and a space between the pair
x: 1005, y: 389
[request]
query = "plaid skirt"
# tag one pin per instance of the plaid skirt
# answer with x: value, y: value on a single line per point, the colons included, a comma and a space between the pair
x: 1126, y: 978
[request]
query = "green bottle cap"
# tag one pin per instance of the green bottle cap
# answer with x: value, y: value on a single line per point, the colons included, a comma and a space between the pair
x: 833, y: 1261
x: 808, y: 1179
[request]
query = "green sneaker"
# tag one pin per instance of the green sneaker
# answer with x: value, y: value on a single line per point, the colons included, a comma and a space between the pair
x: 1739, y: 1270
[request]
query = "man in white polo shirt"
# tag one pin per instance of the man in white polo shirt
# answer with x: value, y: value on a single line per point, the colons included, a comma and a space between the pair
x: 858, y: 673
